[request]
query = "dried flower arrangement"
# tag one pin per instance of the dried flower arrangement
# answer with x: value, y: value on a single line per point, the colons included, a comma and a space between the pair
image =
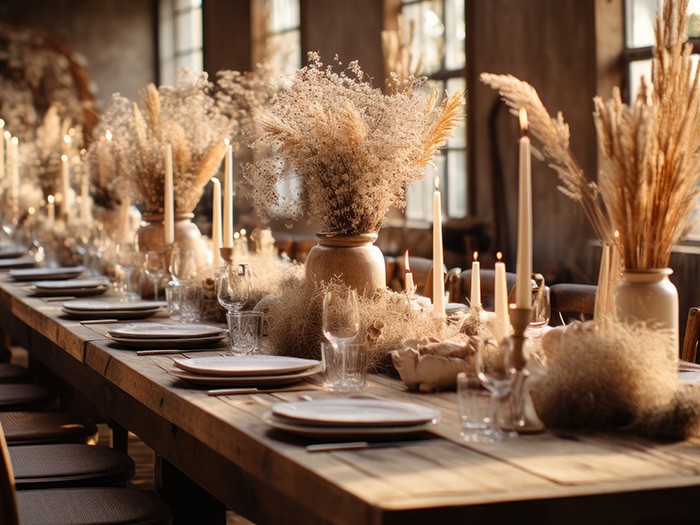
x: 650, y: 165
x: 184, y: 115
x: 353, y: 149
x: 106, y: 187
x: 615, y: 378
x: 39, y: 71
x: 387, y: 318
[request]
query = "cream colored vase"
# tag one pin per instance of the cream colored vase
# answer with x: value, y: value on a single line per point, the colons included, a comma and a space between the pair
x: 649, y: 296
x: 352, y: 258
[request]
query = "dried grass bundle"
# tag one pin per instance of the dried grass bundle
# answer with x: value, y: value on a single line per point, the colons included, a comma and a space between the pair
x: 552, y: 138
x: 353, y: 149
x: 650, y: 163
x: 615, y: 376
x: 386, y: 319
x: 184, y: 115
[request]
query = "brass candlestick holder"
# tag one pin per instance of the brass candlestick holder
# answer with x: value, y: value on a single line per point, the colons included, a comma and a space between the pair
x: 227, y: 254
x: 525, y: 418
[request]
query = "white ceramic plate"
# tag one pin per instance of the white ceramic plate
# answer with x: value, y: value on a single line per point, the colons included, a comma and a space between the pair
x: 32, y: 274
x: 343, y: 432
x: 166, y: 331
x: 247, y: 381
x: 178, y: 342
x: 111, y: 314
x: 20, y: 262
x: 97, y: 305
x: 245, y: 365
x: 45, y: 292
x: 355, y: 412
x: 73, y: 283
x: 7, y: 252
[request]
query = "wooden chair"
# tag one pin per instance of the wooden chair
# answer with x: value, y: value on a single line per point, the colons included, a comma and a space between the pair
x: 689, y: 350
x: 571, y: 302
x: 74, y: 506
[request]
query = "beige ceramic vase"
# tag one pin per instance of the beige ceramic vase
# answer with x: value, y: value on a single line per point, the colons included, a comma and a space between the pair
x: 648, y: 296
x: 352, y: 258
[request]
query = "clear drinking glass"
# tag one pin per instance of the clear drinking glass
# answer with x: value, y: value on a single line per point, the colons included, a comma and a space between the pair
x: 183, y: 266
x: 495, y: 370
x: 473, y: 402
x: 127, y: 271
x: 345, y: 368
x: 245, y: 331
x: 190, y: 292
x: 154, y: 268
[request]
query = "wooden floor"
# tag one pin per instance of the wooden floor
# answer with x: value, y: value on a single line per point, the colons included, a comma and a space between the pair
x: 143, y: 456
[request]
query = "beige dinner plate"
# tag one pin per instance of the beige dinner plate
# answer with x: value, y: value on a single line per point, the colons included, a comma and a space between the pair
x: 245, y: 365
x: 344, y: 432
x: 111, y: 314
x: 19, y: 262
x: 166, y: 331
x: 12, y: 252
x: 33, y: 274
x: 97, y: 305
x: 178, y: 342
x: 244, y: 381
x: 46, y: 292
x: 355, y: 412
x: 73, y: 283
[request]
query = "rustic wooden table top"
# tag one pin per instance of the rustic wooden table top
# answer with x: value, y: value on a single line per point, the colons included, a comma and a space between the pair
x: 223, y: 444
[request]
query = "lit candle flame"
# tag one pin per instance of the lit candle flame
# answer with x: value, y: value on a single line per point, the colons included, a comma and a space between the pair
x: 2, y: 123
x: 31, y: 210
x: 437, y: 183
x: 405, y: 259
x: 51, y: 199
x: 227, y: 142
x: 243, y: 232
x: 7, y: 135
x: 108, y: 136
x: 66, y: 139
x: 236, y: 235
x: 476, y: 256
x: 499, y: 255
x: 617, y: 234
x: 15, y: 140
x: 64, y: 157
x: 522, y: 116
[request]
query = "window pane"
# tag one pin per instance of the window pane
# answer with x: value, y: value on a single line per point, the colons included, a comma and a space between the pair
x: 640, y: 22
x: 419, y: 201
x: 694, y: 18
x: 428, y: 42
x: 284, y: 14
x: 639, y: 68
x: 457, y: 183
x: 188, y: 26
x: 191, y: 61
x: 186, y: 4
x: 455, y: 34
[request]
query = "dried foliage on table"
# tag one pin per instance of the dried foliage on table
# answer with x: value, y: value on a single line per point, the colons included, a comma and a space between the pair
x: 353, y: 150
x: 39, y: 71
x: 184, y: 115
x: 650, y: 165
x: 386, y: 320
x: 615, y: 376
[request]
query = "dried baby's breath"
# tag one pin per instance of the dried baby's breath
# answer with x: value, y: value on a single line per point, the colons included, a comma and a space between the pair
x: 353, y: 149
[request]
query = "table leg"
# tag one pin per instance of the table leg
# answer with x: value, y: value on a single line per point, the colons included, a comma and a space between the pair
x: 188, y: 502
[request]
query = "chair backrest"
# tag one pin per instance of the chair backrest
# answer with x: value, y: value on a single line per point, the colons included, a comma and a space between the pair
x: 571, y: 302
x: 460, y: 285
x: 689, y: 352
x: 8, y: 502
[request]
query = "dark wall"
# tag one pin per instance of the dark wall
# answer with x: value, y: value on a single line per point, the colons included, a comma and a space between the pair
x: 117, y: 37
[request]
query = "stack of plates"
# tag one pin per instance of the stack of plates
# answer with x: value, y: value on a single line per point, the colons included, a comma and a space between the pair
x: 351, y: 417
x: 103, y: 309
x: 156, y: 335
x: 12, y: 252
x: 26, y: 261
x: 53, y: 274
x: 245, y: 370
x: 73, y: 287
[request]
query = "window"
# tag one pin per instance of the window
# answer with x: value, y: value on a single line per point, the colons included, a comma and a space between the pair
x: 438, y: 43
x: 640, y: 16
x: 279, y: 34
x: 179, y: 37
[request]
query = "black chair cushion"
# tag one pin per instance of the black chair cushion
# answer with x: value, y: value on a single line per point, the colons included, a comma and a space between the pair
x: 89, y: 506
x: 10, y: 373
x: 69, y: 465
x: 24, y: 428
x: 24, y: 396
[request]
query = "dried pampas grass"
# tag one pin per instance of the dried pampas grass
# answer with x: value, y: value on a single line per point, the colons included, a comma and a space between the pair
x: 622, y: 377
x: 386, y: 320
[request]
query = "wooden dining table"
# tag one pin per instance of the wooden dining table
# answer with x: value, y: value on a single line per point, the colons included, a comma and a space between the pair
x: 217, y: 452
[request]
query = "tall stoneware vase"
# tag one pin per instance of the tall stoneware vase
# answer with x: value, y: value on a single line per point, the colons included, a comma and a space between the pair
x: 354, y: 259
x: 150, y: 236
x: 648, y: 296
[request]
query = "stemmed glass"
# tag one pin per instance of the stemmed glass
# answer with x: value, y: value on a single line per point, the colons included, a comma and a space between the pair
x: 495, y: 370
x: 233, y: 291
x: 340, y: 321
x: 154, y: 268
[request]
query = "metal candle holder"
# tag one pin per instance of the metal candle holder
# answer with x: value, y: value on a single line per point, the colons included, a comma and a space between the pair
x: 525, y: 420
x: 226, y: 254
